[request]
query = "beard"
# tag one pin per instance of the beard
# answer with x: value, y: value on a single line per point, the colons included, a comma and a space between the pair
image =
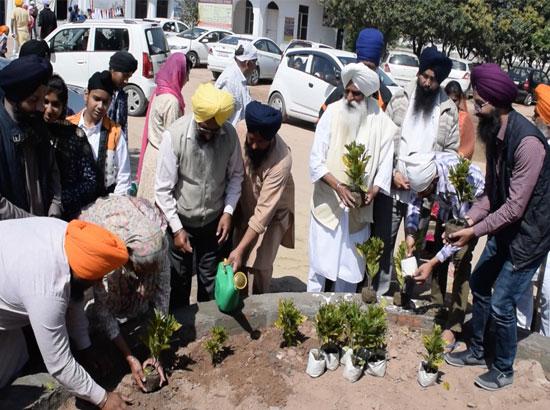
x: 31, y: 123
x: 256, y: 156
x: 351, y: 117
x: 487, y: 129
x: 424, y: 100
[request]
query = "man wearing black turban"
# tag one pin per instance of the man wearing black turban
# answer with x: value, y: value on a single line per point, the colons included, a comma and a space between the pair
x: 29, y: 179
x: 265, y: 214
x: 122, y: 66
x: 104, y: 135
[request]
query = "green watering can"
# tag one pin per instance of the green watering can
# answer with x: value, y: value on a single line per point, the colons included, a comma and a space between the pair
x: 227, y: 286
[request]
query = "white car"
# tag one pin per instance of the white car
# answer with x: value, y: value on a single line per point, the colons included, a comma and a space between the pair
x: 195, y: 42
x: 461, y: 73
x: 297, y: 43
x: 401, y: 66
x: 269, y: 56
x: 171, y: 27
x: 80, y: 49
x: 304, y: 80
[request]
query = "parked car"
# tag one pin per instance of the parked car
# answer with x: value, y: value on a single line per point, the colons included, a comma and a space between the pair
x: 195, y: 42
x: 402, y: 66
x: 222, y: 53
x: 527, y: 79
x: 171, y: 27
x: 82, y: 48
x: 304, y: 80
x: 297, y: 43
x: 460, y: 72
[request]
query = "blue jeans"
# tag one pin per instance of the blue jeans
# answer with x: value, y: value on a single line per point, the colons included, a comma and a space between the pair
x: 497, y: 286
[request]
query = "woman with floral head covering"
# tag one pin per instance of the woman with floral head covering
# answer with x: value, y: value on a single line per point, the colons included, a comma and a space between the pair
x: 166, y: 106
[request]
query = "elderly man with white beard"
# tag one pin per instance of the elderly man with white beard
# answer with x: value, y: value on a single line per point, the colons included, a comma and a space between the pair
x: 338, y: 223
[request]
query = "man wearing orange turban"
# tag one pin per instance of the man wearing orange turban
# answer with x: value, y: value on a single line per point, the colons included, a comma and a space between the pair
x: 542, y: 109
x: 44, y: 263
x: 198, y: 184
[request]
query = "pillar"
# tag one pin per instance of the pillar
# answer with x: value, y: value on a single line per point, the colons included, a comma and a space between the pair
x: 151, y: 8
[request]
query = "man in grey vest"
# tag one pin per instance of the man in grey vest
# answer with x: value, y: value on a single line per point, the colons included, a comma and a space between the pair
x: 198, y: 185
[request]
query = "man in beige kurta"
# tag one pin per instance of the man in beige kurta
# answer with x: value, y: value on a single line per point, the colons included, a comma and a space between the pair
x: 265, y: 213
x: 20, y: 24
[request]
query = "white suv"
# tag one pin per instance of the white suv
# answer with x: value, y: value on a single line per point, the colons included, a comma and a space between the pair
x: 80, y: 49
x: 196, y: 43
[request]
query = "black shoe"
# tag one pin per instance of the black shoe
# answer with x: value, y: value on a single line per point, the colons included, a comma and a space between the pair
x: 464, y: 358
x: 493, y: 380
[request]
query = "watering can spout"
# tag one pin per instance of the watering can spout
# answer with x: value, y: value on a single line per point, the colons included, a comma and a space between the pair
x: 240, y: 280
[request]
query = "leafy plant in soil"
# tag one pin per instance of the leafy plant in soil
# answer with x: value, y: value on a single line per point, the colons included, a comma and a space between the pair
x: 376, y: 330
x: 349, y: 312
x: 371, y: 250
x: 215, y: 344
x: 158, y: 338
x: 288, y: 320
x: 435, y: 346
x: 464, y: 192
x: 400, y: 297
x: 355, y: 160
x: 329, y: 325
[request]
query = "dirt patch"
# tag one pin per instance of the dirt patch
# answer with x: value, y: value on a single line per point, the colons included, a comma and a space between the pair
x: 259, y: 374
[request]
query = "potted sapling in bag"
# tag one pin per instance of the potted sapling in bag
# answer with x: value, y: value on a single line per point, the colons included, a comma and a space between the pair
x: 329, y: 325
x: 215, y: 345
x: 355, y: 160
x: 371, y: 250
x: 428, y: 370
x: 349, y: 311
x: 158, y: 338
x: 401, y: 297
x: 289, y: 318
x: 464, y: 194
x: 376, y: 340
x: 356, y: 357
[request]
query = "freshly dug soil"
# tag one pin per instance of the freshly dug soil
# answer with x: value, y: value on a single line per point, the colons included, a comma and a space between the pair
x: 259, y: 374
x: 152, y: 380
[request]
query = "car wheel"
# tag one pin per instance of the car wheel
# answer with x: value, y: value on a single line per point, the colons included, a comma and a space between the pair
x: 278, y: 102
x: 215, y: 74
x: 254, y: 77
x: 528, y: 99
x: 137, y: 103
x: 194, y: 58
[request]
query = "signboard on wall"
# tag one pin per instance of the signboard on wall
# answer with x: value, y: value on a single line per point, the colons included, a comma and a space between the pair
x: 289, y: 29
x: 216, y: 13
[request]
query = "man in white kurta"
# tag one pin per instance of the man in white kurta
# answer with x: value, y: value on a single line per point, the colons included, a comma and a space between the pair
x: 337, y: 222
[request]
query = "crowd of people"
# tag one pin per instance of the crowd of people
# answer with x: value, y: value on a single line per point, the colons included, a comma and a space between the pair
x: 214, y: 182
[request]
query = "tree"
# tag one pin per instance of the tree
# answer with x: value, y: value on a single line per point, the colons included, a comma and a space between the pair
x: 189, y: 11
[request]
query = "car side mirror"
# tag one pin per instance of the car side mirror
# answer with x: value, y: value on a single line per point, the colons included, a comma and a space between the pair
x: 204, y: 40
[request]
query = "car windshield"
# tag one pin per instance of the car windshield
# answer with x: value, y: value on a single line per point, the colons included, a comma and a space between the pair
x: 459, y: 65
x: 386, y: 80
x: 156, y: 41
x: 347, y: 60
x: 234, y: 40
x: 192, y: 33
x: 518, y: 73
x: 404, y: 59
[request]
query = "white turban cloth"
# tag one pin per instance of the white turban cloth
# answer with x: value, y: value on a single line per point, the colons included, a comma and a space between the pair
x: 419, y: 169
x: 362, y: 77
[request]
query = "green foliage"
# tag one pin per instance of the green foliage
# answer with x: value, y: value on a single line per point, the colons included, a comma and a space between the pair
x: 215, y: 344
x: 458, y: 177
x: 371, y: 250
x: 329, y: 324
x: 370, y: 330
x: 398, y: 257
x: 349, y: 312
x: 159, y: 334
x: 435, y: 346
x: 188, y: 12
x: 288, y: 320
x: 355, y: 160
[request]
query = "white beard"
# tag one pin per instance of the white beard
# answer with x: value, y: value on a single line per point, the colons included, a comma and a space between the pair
x: 351, y: 118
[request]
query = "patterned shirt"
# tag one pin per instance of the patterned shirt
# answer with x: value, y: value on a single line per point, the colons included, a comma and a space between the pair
x: 446, y: 197
x: 118, y: 111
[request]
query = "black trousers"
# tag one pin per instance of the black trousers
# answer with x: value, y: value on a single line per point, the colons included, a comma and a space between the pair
x: 203, y: 262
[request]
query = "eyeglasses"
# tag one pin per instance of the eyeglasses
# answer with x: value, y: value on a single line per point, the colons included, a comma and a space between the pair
x: 478, y: 106
x: 207, y: 132
x: 354, y: 93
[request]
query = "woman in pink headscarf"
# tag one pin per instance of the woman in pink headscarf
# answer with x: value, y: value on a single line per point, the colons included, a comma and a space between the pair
x: 166, y: 106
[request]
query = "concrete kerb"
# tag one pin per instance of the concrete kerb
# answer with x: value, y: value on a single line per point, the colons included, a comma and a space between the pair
x: 259, y: 311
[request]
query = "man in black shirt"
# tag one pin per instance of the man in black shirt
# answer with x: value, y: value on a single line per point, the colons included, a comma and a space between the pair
x: 46, y: 20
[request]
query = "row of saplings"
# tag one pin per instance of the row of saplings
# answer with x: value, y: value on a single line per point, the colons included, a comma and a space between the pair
x: 354, y: 336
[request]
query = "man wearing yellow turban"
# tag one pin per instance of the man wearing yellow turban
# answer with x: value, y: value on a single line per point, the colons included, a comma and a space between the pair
x: 45, y: 263
x: 198, y: 184
x: 20, y: 24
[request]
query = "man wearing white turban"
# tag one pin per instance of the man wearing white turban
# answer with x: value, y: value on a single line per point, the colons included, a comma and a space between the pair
x: 338, y: 222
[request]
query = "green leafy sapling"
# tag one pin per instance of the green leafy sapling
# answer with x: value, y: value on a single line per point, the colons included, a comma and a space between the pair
x: 371, y: 250
x: 355, y: 160
x: 329, y: 325
x: 215, y: 344
x: 377, y: 328
x: 159, y: 334
x: 435, y: 346
x: 349, y: 312
x: 289, y: 318
x: 464, y: 190
x: 398, y: 257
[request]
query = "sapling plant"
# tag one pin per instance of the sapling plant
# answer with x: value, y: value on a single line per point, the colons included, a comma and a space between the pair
x: 434, y: 344
x: 371, y: 250
x: 464, y: 193
x: 158, y: 338
x: 329, y: 325
x: 355, y: 160
x: 289, y: 318
x: 400, y: 297
x: 215, y: 344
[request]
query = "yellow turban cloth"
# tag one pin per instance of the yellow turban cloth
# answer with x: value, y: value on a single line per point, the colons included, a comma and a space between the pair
x: 209, y: 102
x: 18, y: 3
x: 93, y: 251
x: 542, y: 94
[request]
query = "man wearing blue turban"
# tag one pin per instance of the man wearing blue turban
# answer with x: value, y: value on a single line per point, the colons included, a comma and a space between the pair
x: 265, y: 213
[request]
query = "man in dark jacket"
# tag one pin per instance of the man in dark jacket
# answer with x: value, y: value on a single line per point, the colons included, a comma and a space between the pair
x: 46, y: 20
x: 514, y: 212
